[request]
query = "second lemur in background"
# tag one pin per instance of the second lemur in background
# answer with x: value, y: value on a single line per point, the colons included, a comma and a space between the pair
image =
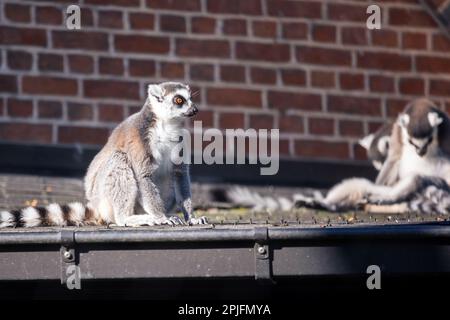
x: 418, y: 162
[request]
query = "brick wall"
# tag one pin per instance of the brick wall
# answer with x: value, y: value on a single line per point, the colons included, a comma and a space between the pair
x: 310, y: 68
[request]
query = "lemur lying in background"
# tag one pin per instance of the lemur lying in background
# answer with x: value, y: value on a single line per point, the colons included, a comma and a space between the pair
x: 132, y: 180
x: 415, y: 169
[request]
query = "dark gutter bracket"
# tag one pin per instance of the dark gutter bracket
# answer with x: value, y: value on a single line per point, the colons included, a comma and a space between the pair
x: 67, y: 252
x: 263, y: 262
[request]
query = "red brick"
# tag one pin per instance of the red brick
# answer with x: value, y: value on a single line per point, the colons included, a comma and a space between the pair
x: 206, y: 117
x: 17, y: 13
x: 441, y: 43
x: 291, y: 124
x: 85, y: 135
x: 395, y: 106
x: 231, y: 120
x: 262, y: 52
x: 414, y: 40
x: 51, y: 62
x: 202, y: 48
x: 141, y: 44
x: 415, y: 86
x: 49, y: 15
x: 110, y: 65
x: 316, y: 55
x: 291, y: 100
x: 26, y: 132
x: 321, y: 126
x: 49, y: 109
x: 266, y: 29
x: 182, y: 5
x: 322, y: 79
x: 384, y: 61
x: 19, y: 60
x: 233, y: 97
x: 235, y: 27
x: 49, y: 85
x: 172, y: 70
x: 123, y: 3
x: 203, y: 25
x: 80, y: 40
x: 22, y: 36
x: 111, y: 89
x: 322, y: 149
x: 81, y: 64
x: 381, y: 84
x: 232, y: 73
x: 20, y: 108
x: 354, y: 105
x: 304, y: 9
x: 8, y: 83
x: 142, y: 68
x: 79, y: 111
x: 248, y: 7
x: 172, y: 23
x: 344, y: 12
x: 2, y: 108
x: 141, y: 21
x: 384, y: 38
x: 410, y: 17
x: 87, y: 17
x: 110, y: 19
x: 354, y: 35
x: 295, y: 30
x: 294, y: 77
x: 110, y: 112
x: 351, y: 128
x: 323, y: 33
x: 439, y: 87
x: 204, y: 72
x: 351, y: 81
x: 261, y: 121
x: 433, y: 64
x: 263, y: 75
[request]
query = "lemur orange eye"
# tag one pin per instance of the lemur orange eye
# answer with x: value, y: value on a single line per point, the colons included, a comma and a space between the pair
x: 178, y: 100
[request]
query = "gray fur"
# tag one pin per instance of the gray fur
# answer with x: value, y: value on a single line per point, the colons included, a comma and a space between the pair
x: 132, y: 180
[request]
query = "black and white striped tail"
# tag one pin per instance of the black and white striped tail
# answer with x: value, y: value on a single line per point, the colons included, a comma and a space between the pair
x: 72, y: 214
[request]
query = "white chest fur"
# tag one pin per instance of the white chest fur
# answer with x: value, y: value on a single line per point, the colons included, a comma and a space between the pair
x: 163, y: 139
x: 413, y: 164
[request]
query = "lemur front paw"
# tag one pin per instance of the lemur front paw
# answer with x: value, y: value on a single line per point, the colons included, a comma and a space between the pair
x: 196, y: 221
x: 171, y: 221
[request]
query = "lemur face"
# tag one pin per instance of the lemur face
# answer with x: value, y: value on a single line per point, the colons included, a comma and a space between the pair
x: 421, y: 134
x: 377, y: 145
x: 171, y: 100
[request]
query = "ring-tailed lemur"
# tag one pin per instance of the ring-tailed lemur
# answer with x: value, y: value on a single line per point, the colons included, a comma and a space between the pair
x: 417, y: 169
x: 132, y: 180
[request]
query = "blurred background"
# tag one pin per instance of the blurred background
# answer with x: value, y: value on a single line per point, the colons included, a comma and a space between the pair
x: 310, y: 68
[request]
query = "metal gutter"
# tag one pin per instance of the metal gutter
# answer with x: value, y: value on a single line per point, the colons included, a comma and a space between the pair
x: 229, y: 234
x: 262, y: 252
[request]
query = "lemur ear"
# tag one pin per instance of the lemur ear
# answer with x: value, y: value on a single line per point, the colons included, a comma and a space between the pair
x: 156, y: 91
x: 366, y: 141
x: 383, y: 144
x: 403, y: 120
x: 434, y: 119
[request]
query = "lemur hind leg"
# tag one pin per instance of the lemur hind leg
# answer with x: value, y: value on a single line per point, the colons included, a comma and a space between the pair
x: 121, y: 190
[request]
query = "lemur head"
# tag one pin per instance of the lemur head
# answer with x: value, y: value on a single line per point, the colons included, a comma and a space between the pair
x: 420, y: 125
x: 171, y: 101
x: 377, y: 145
